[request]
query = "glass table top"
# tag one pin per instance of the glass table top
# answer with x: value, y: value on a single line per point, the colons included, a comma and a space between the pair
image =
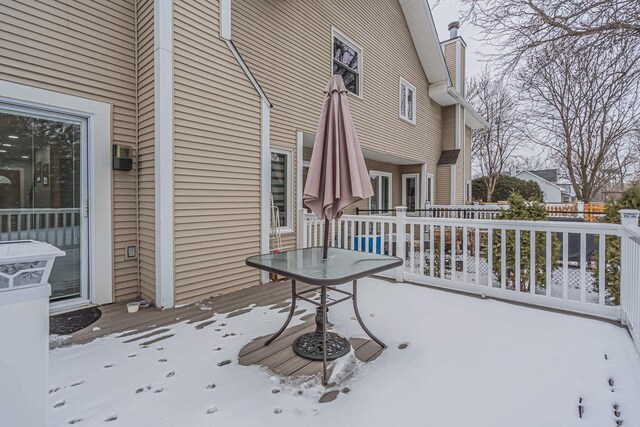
x: 307, y: 265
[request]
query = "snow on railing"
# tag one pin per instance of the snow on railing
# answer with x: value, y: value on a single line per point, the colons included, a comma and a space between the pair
x: 553, y: 264
x: 630, y: 273
x: 60, y: 227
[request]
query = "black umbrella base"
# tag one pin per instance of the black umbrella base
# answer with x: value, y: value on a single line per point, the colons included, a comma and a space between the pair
x: 310, y: 347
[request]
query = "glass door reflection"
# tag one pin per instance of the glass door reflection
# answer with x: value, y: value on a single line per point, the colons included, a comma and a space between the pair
x: 42, y: 186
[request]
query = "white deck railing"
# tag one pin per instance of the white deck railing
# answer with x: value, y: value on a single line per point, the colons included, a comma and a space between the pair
x: 562, y: 265
x: 630, y: 274
x: 60, y: 227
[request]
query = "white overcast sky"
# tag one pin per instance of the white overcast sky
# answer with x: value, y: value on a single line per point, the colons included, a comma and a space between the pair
x: 448, y: 11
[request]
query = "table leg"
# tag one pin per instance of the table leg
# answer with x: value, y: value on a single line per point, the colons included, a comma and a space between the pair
x: 293, y: 308
x: 355, y: 308
x: 323, y: 304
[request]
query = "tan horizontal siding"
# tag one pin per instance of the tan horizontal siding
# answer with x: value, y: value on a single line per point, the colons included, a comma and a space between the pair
x: 216, y: 159
x: 443, y: 185
x: 146, y: 151
x: 259, y: 29
x: 450, y: 59
x: 461, y: 173
x: 85, y: 49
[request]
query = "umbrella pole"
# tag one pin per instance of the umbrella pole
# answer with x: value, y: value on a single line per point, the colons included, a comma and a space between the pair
x: 325, y: 246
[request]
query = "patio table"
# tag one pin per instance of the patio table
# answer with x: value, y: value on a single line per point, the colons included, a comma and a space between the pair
x: 307, y: 266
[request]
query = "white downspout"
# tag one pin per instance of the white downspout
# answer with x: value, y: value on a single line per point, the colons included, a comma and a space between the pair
x: 265, y: 123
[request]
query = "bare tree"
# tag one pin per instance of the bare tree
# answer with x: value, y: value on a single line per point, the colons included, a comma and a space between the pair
x: 521, y: 27
x: 493, y: 146
x: 529, y: 163
x: 583, y: 108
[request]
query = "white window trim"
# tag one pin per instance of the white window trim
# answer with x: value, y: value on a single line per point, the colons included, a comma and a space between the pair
x: 416, y: 176
x: 336, y: 33
x: 415, y: 95
x: 289, y: 193
x: 431, y: 185
x: 372, y: 174
x: 99, y: 116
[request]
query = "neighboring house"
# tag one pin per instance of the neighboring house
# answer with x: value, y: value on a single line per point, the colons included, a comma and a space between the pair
x: 547, y: 179
x: 146, y: 137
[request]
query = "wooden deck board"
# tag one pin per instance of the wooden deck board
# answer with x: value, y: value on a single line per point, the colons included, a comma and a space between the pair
x: 278, y: 356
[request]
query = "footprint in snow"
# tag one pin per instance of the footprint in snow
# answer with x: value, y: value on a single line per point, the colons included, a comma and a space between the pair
x: 110, y: 365
x: 75, y: 421
x: 145, y: 388
x: 59, y: 404
x: 111, y: 418
x: 158, y: 390
x: 132, y: 355
x: 160, y: 348
x: 162, y: 360
x: 217, y: 349
x: 277, y: 411
x: 170, y: 374
x: 212, y: 410
x: 76, y: 384
x: 53, y: 390
x: 211, y: 386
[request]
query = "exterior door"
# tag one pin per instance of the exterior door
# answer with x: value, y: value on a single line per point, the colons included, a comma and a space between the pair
x: 410, y: 191
x: 381, y: 199
x: 43, y: 189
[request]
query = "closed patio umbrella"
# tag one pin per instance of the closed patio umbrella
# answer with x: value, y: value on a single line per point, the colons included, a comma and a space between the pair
x: 338, y: 175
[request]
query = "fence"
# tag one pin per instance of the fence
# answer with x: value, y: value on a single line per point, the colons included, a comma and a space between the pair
x: 589, y: 212
x: 444, y: 211
x: 562, y: 265
x: 60, y: 227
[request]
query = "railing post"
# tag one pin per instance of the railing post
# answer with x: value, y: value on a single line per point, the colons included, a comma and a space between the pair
x: 580, y: 209
x: 628, y: 219
x: 401, y: 212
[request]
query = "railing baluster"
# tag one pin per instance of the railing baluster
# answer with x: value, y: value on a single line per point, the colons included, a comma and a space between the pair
x: 503, y: 260
x: 532, y: 262
x: 602, y: 254
x: 477, y: 253
x: 454, y: 253
x: 421, y: 250
x: 565, y: 265
x: 431, y: 250
x: 490, y: 256
x: 411, y: 249
x: 583, y: 267
x: 465, y: 253
x: 549, y: 264
x: 518, y: 278
x: 442, y: 253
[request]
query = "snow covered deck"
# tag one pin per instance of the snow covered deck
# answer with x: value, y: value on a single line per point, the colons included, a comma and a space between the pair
x: 453, y: 360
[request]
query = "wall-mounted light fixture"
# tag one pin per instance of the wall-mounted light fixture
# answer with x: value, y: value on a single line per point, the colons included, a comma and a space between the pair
x: 122, y: 158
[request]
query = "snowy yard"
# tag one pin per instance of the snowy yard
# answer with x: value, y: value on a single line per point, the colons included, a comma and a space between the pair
x: 468, y: 362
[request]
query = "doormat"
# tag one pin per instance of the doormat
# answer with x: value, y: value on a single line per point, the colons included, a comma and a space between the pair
x: 73, y: 321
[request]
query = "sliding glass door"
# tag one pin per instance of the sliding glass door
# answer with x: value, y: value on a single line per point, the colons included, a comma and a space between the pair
x: 43, y: 190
